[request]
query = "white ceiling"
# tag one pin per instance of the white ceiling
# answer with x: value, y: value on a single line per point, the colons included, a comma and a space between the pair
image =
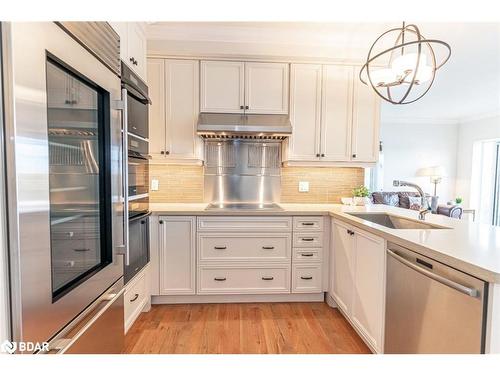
x: 467, y: 86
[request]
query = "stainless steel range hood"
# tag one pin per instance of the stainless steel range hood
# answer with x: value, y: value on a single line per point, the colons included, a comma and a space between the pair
x: 228, y: 125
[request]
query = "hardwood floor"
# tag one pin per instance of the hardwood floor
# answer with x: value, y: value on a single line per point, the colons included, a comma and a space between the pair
x: 250, y: 328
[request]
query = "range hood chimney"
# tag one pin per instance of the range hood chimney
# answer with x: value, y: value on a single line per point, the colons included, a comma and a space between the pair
x: 228, y: 125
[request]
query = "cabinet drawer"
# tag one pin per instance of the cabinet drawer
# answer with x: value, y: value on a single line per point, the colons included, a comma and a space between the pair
x: 244, y: 280
x: 245, y: 224
x: 308, y: 239
x: 136, y: 296
x: 307, y: 255
x: 308, y: 223
x: 244, y: 247
x: 307, y: 278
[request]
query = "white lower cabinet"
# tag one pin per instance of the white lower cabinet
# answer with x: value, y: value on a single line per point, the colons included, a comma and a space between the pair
x: 136, y: 297
x: 307, y: 278
x: 177, y: 255
x: 358, y: 282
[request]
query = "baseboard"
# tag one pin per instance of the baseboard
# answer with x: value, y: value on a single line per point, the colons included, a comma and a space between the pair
x: 242, y: 298
x: 330, y: 301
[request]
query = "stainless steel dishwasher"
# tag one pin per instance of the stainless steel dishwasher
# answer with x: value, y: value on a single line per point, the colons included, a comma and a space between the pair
x: 430, y: 307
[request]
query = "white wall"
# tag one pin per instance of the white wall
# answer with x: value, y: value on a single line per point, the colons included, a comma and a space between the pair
x: 468, y: 133
x: 409, y: 147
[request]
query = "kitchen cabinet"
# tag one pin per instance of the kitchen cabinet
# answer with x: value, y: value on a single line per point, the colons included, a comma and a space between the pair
x: 244, y: 87
x: 177, y: 255
x: 305, y: 112
x: 173, y: 115
x: 365, y: 122
x: 334, y: 116
x: 358, y: 282
x: 132, y: 45
x: 136, y: 297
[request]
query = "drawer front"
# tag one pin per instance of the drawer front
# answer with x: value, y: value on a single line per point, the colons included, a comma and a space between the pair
x: 308, y: 223
x: 306, y: 255
x: 244, y: 247
x: 244, y: 280
x: 307, y: 278
x: 135, y: 297
x: 245, y: 224
x: 308, y: 239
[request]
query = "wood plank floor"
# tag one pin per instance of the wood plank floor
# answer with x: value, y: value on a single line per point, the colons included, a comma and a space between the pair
x: 249, y: 328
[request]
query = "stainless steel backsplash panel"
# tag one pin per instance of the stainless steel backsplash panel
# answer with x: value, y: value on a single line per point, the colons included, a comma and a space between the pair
x: 242, y: 171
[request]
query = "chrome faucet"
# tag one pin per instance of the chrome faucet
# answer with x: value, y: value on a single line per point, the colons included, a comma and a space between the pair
x: 425, y: 204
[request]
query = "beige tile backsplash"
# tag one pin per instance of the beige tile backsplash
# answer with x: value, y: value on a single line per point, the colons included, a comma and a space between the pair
x: 184, y: 184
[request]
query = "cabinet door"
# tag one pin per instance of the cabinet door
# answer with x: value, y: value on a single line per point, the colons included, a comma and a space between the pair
x: 182, y: 108
x: 136, y: 49
x: 342, y: 267
x: 157, y: 129
x: 305, y: 112
x: 365, y: 122
x: 336, y: 113
x: 369, y: 291
x: 177, y: 255
x: 266, y: 88
x: 222, y: 86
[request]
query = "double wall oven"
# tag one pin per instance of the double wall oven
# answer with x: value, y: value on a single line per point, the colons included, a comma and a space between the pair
x: 136, y: 146
x: 66, y: 208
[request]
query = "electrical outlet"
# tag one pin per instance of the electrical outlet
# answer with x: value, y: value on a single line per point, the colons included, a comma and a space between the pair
x: 155, y: 184
x: 303, y: 186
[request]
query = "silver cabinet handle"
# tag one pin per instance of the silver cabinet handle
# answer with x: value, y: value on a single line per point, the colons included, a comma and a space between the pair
x: 220, y: 247
x: 268, y: 247
x: 306, y: 277
x: 125, y: 177
x: 443, y: 280
x: 220, y: 279
x: 135, y: 297
x: 268, y: 278
x: 307, y: 254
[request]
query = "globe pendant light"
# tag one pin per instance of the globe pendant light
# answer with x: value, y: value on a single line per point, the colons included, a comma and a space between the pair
x: 405, y: 72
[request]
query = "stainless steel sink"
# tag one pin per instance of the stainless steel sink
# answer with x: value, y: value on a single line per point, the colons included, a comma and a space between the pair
x: 394, y: 222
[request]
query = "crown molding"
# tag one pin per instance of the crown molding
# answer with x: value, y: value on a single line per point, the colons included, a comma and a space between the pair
x: 480, y: 116
x: 418, y: 120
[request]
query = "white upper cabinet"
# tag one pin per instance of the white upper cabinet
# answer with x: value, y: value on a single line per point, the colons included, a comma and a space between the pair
x: 244, y: 87
x: 365, y: 122
x: 222, y: 86
x: 343, y: 124
x: 305, y: 111
x: 336, y: 113
x: 266, y: 88
x: 157, y: 128
x: 173, y: 115
x: 132, y: 45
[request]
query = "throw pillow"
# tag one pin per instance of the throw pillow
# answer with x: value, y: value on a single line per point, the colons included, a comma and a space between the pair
x: 415, y: 203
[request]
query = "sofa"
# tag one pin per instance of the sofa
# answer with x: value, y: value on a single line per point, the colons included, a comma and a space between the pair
x: 404, y: 199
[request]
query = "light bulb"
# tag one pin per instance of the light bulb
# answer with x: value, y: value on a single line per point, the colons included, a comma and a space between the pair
x: 404, y: 66
x: 382, y: 77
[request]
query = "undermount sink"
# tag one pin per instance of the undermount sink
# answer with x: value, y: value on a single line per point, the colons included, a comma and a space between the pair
x: 394, y: 222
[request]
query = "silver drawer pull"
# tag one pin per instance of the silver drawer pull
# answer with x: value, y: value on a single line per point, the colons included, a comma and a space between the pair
x: 220, y: 247
x: 307, y: 255
x: 81, y: 250
x: 135, y: 297
x: 307, y: 223
x: 308, y: 239
x: 220, y: 279
x: 306, y: 277
x: 268, y: 278
x: 268, y: 247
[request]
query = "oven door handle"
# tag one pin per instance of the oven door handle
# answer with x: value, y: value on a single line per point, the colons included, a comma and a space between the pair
x: 126, y: 248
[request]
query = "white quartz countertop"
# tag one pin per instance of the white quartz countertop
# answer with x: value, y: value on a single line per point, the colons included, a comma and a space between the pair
x: 470, y: 247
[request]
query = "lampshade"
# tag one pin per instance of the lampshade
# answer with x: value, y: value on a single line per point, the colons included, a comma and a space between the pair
x: 436, y: 171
